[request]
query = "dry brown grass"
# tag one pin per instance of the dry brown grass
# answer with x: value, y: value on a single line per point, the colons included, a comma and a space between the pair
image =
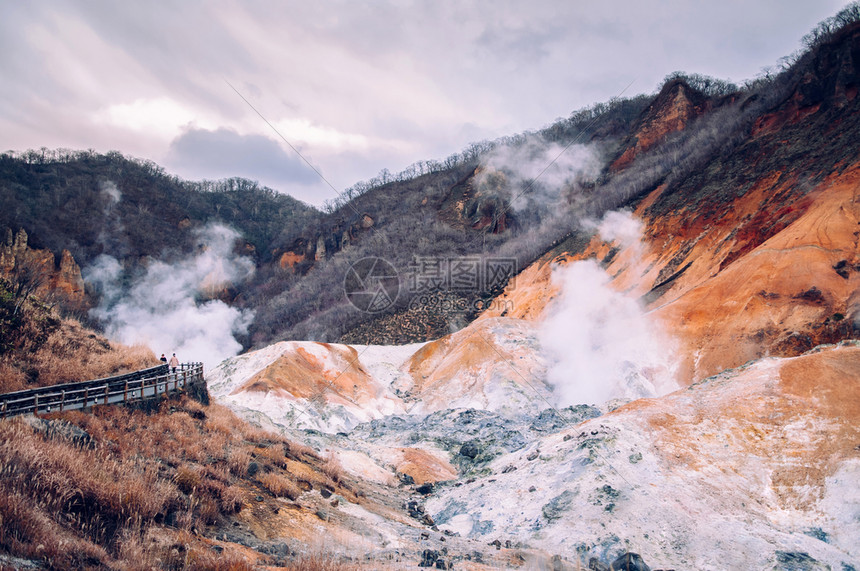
x: 168, y: 474
x: 239, y: 459
x: 280, y: 486
x: 322, y: 563
x: 297, y: 450
x: 187, y: 478
x: 32, y: 534
x: 96, y: 493
x: 73, y: 353
x: 276, y: 454
x: 232, y: 499
x: 12, y: 378
x: 333, y: 468
x: 70, y: 353
x: 148, y: 551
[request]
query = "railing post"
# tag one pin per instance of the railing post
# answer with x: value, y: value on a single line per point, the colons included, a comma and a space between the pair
x: 190, y: 372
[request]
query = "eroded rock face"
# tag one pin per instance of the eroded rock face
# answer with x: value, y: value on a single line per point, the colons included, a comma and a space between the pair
x: 750, y: 468
x: 761, y: 281
x: 312, y: 385
x: 61, y: 282
x: 757, y: 253
x: 777, y: 294
x: 739, y: 467
x: 492, y: 364
x: 675, y: 106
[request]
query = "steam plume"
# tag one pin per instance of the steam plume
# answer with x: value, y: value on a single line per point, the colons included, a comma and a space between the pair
x: 602, y: 345
x: 162, y: 308
x: 536, y: 172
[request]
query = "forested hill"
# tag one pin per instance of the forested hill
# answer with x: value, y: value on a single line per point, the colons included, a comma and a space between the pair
x: 700, y: 141
x: 132, y: 210
x: 91, y: 203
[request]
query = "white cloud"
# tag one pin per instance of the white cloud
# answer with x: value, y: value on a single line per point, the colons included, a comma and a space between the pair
x: 161, y: 116
x: 360, y: 87
x: 303, y: 131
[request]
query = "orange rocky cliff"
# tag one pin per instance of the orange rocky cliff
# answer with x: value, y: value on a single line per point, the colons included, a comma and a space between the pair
x: 756, y: 251
x: 675, y: 106
x: 726, y: 293
x: 61, y: 282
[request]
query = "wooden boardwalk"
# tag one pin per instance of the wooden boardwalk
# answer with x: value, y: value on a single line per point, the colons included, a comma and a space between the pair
x: 141, y: 385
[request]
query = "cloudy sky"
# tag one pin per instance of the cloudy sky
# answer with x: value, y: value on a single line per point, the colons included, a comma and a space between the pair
x: 355, y: 87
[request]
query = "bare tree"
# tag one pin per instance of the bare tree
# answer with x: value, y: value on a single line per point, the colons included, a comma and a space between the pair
x: 27, y: 277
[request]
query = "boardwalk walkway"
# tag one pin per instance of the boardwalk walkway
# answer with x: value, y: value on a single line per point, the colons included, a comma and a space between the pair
x: 140, y: 385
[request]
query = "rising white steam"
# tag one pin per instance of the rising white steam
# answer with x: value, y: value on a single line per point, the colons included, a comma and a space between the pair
x: 111, y: 191
x: 162, y: 309
x: 536, y: 173
x: 621, y: 227
x: 601, y: 344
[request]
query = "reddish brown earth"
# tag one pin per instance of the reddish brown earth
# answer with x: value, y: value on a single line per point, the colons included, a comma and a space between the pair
x: 725, y: 292
x: 770, y: 269
x: 670, y: 112
x: 290, y: 259
x: 423, y: 465
x: 799, y: 416
x: 61, y: 281
x: 483, y: 365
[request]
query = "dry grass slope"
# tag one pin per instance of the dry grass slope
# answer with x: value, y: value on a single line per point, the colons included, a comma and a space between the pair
x: 38, y: 348
x: 145, y: 490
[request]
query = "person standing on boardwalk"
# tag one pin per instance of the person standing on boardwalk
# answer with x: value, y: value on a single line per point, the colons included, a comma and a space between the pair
x: 163, y: 359
x: 174, y: 362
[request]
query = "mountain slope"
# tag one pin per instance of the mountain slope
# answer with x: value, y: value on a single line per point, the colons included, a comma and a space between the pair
x: 653, y: 379
x: 92, y: 204
x: 756, y: 253
x: 737, y: 242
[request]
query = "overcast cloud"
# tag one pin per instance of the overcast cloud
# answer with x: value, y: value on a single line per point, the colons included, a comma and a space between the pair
x: 355, y: 87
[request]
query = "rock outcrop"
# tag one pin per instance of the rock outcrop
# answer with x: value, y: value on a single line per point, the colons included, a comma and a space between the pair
x: 47, y: 279
x: 671, y: 111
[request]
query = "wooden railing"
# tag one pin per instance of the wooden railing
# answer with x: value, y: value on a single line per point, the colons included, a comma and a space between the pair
x: 140, y: 385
